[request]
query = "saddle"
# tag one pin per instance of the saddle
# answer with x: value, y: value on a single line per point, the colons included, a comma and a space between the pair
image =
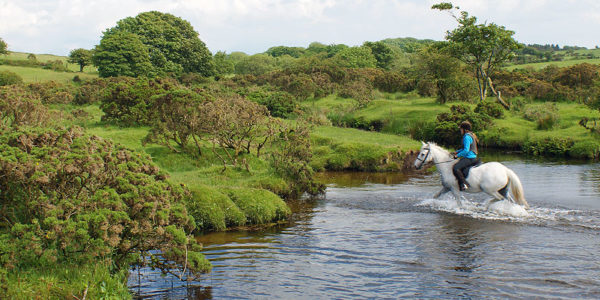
x: 466, y: 170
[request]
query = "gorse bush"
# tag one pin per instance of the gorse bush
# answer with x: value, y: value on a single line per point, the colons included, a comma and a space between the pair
x: 8, y: 78
x: 21, y: 107
x: 446, y: 129
x: 492, y: 109
x: 72, y: 198
x: 545, y: 116
x: 127, y: 101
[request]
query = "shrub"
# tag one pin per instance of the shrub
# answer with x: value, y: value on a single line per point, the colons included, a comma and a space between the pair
x: 52, y: 92
x: 177, y: 119
x: 446, y: 128
x: 20, y: 107
x: 548, y: 146
x: 291, y: 159
x: 55, y: 65
x: 585, y: 149
x: 279, y: 103
x: 93, y: 91
x: 545, y: 116
x: 360, y: 91
x: 392, y: 82
x: 127, y: 101
x: 492, y: 109
x: 8, y: 78
x: 213, y: 210
x: 259, y: 206
x: 72, y: 198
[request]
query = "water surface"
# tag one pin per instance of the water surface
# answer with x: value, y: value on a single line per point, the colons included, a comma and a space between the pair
x: 382, y: 236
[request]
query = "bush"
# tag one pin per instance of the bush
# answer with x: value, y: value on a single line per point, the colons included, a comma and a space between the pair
x: 93, y: 91
x: 291, y: 159
x: 52, y: 92
x: 361, y: 91
x: 279, y: 103
x: 55, y: 65
x: 213, y: 210
x: 20, y: 107
x: 545, y: 116
x: 259, y: 206
x: 446, y: 128
x: 127, y: 101
x: 8, y: 78
x: 492, y: 109
x: 585, y: 149
x: 72, y: 198
x: 548, y: 146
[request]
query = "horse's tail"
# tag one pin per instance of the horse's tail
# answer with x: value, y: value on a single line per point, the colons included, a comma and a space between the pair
x: 516, y: 188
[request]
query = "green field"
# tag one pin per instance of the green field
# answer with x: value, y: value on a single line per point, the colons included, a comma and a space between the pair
x: 49, y: 57
x: 564, y: 63
x: 31, y: 75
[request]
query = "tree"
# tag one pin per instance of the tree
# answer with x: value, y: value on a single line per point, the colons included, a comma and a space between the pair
x: 484, y: 47
x: 80, y: 56
x: 278, y: 51
x: 382, y: 53
x: 446, y: 73
x: 356, y: 57
x: 173, y: 45
x: 256, y: 64
x: 3, y: 47
x: 223, y: 65
x: 122, y: 54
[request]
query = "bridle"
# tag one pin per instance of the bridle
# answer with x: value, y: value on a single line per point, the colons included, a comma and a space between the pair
x: 424, y: 159
x: 427, y: 155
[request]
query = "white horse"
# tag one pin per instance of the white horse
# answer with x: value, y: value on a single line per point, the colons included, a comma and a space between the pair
x: 492, y: 178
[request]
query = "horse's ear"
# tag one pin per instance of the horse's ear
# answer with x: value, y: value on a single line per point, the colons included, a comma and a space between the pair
x: 422, y: 143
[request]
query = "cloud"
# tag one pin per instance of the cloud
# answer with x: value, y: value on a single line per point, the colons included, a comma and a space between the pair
x: 58, y: 26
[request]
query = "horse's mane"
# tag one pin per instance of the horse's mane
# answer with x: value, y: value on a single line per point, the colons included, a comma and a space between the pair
x: 432, y: 144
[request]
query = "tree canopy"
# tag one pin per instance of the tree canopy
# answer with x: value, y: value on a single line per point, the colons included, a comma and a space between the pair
x: 80, y: 56
x: 122, y: 53
x: 3, y: 47
x: 484, y: 47
x: 171, y: 43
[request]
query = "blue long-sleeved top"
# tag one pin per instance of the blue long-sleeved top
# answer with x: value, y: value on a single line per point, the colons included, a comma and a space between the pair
x: 466, y: 150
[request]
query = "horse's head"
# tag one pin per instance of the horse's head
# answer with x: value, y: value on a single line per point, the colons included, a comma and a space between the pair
x: 424, y: 156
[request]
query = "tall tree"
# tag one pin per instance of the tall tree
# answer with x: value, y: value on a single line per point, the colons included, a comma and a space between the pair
x: 484, y: 47
x: 382, y: 53
x: 80, y: 56
x: 3, y: 47
x: 356, y: 57
x: 122, y: 53
x: 173, y: 44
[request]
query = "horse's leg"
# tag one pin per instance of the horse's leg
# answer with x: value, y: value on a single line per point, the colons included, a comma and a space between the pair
x: 456, y: 193
x: 497, y: 197
x: 441, y: 192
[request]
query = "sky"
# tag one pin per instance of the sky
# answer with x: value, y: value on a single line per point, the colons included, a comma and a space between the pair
x: 253, y: 26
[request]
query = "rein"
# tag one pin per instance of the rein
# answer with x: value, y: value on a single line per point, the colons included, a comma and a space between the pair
x: 435, y: 163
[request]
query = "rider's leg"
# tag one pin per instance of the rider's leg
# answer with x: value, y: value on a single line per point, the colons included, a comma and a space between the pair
x: 457, y: 170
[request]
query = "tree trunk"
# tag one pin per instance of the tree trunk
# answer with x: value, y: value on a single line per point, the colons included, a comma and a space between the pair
x: 498, y: 95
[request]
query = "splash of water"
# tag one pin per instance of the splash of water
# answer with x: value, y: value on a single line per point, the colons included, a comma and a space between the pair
x: 508, y: 211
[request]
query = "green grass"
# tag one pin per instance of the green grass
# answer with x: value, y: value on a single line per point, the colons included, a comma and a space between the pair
x: 65, y: 282
x: 564, y: 63
x: 32, y: 75
x: 49, y: 57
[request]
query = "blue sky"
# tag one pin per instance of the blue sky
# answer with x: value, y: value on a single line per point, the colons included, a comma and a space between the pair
x: 252, y: 26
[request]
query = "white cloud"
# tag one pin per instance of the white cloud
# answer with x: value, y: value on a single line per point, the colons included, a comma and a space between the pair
x: 57, y: 26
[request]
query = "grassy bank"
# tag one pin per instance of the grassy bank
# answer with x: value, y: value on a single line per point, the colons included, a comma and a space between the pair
x: 407, y: 114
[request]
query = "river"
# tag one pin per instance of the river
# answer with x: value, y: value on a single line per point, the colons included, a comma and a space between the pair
x: 382, y: 236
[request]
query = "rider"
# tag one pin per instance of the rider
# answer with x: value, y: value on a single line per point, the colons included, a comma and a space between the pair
x: 468, y: 154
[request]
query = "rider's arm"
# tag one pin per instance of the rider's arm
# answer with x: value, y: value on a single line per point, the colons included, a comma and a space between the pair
x: 467, y: 140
